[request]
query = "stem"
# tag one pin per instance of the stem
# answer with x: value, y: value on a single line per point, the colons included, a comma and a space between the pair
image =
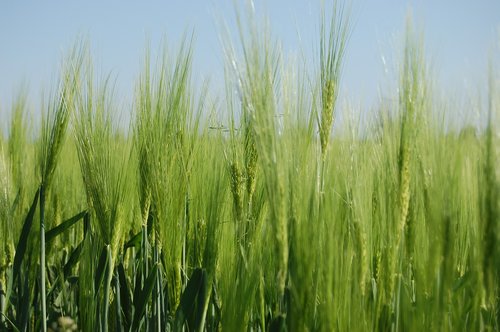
x: 109, y: 276
x: 161, y: 296
x: 157, y: 292
x: 42, y: 258
x: 184, y: 246
x: 262, y: 303
x: 399, y: 275
x: 2, y: 305
x: 144, y: 251
x: 320, y: 178
x: 118, y: 303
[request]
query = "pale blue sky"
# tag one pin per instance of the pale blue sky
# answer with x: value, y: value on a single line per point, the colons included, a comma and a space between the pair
x: 34, y: 36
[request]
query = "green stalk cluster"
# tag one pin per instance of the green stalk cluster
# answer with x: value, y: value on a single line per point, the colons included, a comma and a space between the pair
x: 266, y: 223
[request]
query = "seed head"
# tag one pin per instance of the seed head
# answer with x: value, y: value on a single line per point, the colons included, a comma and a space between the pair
x: 237, y: 189
x: 250, y: 162
x: 405, y: 188
x: 328, y: 100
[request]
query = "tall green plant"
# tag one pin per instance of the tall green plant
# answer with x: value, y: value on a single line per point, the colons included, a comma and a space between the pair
x: 103, y: 162
x: 165, y: 134
x: 55, y: 124
x: 333, y: 42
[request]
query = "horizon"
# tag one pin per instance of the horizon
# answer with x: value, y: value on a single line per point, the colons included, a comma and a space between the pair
x: 458, y: 58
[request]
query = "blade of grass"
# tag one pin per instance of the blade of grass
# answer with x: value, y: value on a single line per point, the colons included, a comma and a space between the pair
x: 23, y: 238
x: 64, y: 226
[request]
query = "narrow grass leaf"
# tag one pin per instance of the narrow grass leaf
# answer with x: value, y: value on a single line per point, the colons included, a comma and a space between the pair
x: 62, y: 227
x: 99, y: 273
x: 24, y: 307
x: 187, y: 305
x: 141, y: 301
x: 126, y: 301
x: 23, y: 239
x: 14, y: 327
x: 135, y: 241
x: 73, y: 259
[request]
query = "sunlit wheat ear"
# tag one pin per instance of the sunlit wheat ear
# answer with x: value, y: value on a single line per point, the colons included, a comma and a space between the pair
x: 333, y: 41
x: 164, y: 142
x: 103, y: 161
x: 54, y: 127
x: 103, y: 169
x: 56, y: 121
x: 327, y: 116
x: 259, y: 93
x: 412, y: 102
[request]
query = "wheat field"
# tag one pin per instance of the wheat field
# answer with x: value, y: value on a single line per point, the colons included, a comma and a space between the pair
x: 259, y: 212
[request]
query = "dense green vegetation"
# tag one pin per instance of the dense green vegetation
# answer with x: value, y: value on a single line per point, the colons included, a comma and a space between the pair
x: 270, y: 222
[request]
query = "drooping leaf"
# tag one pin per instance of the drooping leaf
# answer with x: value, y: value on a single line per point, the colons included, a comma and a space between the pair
x: 23, y: 238
x: 73, y: 259
x: 62, y: 227
x: 135, y: 241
